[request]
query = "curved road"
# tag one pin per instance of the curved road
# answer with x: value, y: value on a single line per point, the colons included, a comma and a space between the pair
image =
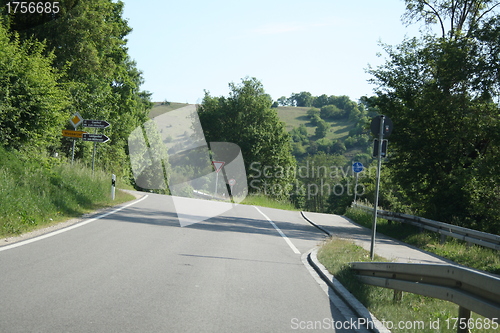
x: 137, y: 270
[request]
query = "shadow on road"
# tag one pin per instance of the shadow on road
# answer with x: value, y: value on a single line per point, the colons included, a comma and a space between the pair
x: 228, y: 222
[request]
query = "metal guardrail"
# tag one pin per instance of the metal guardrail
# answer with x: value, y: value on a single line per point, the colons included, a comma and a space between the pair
x: 472, y: 236
x: 471, y: 290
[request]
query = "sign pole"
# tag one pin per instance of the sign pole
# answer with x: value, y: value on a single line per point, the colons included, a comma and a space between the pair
x: 356, y: 187
x: 216, y: 181
x: 377, y: 187
x: 93, y: 153
x: 356, y: 168
x: 73, y: 153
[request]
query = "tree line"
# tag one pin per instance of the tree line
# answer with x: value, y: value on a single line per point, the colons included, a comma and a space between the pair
x: 55, y: 64
x: 442, y: 92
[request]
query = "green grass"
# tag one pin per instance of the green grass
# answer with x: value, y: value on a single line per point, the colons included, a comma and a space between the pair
x: 159, y: 109
x: 263, y: 201
x: 412, y: 310
x: 473, y: 256
x: 39, y: 192
x: 295, y: 116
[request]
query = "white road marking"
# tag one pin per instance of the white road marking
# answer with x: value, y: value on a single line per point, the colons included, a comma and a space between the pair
x: 74, y: 226
x: 295, y: 250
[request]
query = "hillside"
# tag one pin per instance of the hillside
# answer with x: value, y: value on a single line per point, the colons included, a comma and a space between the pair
x: 337, y: 139
x: 295, y: 116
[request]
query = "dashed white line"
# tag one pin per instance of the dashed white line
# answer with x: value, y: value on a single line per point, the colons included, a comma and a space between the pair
x: 294, y: 249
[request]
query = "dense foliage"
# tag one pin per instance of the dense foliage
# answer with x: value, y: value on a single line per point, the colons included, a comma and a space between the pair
x: 246, y: 118
x: 442, y: 93
x: 72, y: 61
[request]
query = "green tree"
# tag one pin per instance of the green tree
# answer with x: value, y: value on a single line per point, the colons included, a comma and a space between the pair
x: 439, y: 92
x: 88, y: 40
x: 321, y: 129
x: 319, y: 176
x: 312, y: 112
x: 454, y: 18
x: 303, y: 99
x: 332, y: 112
x: 245, y: 118
x: 31, y: 100
x: 320, y: 101
x: 283, y: 101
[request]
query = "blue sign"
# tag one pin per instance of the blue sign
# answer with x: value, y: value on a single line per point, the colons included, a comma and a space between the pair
x: 357, y: 167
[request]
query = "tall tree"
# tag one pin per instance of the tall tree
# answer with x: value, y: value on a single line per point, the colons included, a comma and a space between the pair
x: 304, y: 98
x: 245, y: 118
x: 31, y: 100
x: 439, y: 92
x: 88, y: 40
x: 454, y: 17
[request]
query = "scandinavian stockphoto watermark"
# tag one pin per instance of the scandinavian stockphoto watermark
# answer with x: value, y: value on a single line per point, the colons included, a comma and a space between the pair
x: 170, y: 152
x: 329, y: 180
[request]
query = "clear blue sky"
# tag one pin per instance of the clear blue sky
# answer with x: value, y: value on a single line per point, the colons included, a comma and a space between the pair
x: 320, y: 46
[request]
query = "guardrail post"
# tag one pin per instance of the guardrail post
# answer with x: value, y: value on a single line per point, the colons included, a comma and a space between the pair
x: 463, y: 320
x: 443, y: 239
x: 398, y: 295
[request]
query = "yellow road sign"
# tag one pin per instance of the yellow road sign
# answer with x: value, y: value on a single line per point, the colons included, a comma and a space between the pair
x: 76, y: 120
x: 73, y: 134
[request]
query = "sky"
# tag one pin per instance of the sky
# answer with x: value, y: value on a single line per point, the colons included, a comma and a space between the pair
x: 321, y: 46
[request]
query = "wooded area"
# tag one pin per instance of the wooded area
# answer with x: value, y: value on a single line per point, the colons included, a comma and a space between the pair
x: 55, y: 64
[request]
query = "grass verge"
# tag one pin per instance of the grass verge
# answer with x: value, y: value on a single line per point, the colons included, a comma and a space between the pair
x: 414, y: 313
x: 36, y: 194
x: 472, y: 256
x: 262, y: 200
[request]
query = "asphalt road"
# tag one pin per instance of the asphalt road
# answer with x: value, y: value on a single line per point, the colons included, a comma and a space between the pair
x: 137, y: 270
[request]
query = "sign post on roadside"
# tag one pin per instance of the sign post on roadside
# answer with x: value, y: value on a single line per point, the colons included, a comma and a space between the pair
x: 76, y: 120
x: 218, y: 167
x: 357, y: 168
x: 381, y: 127
x: 113, y: 186
x: 95, y: 137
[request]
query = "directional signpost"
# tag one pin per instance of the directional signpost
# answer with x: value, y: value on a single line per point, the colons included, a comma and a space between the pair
x: 73, y: 134
x: 381, y: 127
x: 95, y: 137
x: 76, y: 120
x: 95, y: 123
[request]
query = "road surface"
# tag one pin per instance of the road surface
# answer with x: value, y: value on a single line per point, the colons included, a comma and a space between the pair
x: 137, y: 270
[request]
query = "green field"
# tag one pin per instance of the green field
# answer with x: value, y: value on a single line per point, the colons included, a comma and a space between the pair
x: 295, y: 116
x: 290, y: 115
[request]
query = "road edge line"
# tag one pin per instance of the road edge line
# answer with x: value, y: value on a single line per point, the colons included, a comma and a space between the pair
x: 74, y: 226
x: 287, y: 240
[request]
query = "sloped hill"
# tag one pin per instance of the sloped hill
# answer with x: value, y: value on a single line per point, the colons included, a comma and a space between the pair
x: 295, y: 116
